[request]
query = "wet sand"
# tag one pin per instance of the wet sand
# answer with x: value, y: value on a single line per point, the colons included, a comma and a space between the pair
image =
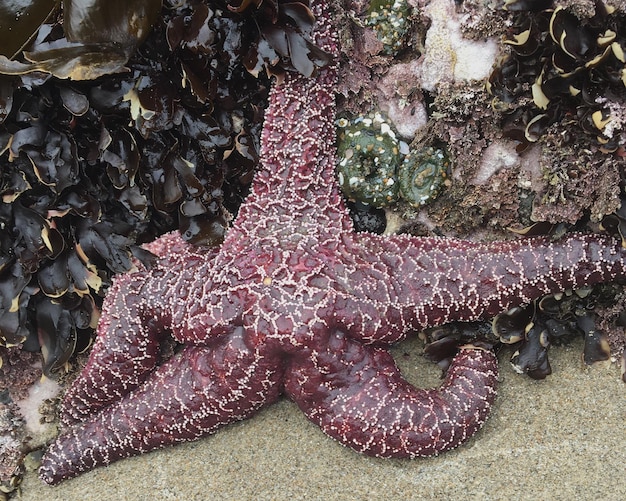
x: 562, y: 438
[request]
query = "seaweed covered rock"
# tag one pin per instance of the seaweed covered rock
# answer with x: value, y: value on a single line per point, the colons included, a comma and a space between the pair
x: 90, y: 169
x: 564, y: 67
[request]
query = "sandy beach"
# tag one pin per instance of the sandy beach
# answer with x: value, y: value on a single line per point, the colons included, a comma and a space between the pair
x: 562, y: 438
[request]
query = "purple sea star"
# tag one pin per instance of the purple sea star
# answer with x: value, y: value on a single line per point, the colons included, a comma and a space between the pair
x: 295, y: 302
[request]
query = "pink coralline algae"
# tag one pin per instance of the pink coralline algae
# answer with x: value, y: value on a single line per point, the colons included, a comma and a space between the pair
x: 295, y: 302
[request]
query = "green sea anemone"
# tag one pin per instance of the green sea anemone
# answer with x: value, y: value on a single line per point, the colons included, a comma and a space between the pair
x: 390, y: 21
x: 369, y: 156
x: 375, y: 167
x: 422, y: 175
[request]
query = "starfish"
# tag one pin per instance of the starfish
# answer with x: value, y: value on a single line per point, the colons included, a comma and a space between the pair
x: 294, y: 302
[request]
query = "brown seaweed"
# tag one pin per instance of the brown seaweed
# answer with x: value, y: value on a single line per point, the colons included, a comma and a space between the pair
x: 90, y: 169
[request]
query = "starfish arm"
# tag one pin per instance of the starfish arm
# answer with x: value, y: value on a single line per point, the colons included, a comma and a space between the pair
x: 360, y: 399
x: 298, y: 150
x: 135, y: 317
x: 403, y: 283
x: 192, y: 394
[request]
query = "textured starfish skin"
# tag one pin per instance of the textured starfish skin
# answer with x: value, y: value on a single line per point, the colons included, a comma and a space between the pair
x: 294, y: 302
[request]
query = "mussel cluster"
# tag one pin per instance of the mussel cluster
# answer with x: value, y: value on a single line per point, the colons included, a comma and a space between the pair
x: 615, y: 223
x: 166, y: 137
x: 554, y: 319
x: 367, y: 218
x: 531, y: 329
x: 563, y: 69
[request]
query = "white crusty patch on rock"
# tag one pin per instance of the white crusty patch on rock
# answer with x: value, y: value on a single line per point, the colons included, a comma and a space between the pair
x: 448, y: 57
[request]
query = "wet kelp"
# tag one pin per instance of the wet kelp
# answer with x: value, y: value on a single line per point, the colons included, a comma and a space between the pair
x: 563, y: 69
x: 166, y: 137
x: 98, y: 37
x: 19, y: 21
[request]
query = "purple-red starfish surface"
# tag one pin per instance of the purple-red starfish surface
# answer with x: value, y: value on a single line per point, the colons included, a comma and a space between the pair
x: 295, y: 302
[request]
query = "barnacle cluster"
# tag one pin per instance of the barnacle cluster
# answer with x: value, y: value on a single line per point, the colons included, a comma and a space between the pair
x: 11, y: 452
x: 390, y: 21
x: 376, y: 168
x: 90, y: 168
x: 563, y: 69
